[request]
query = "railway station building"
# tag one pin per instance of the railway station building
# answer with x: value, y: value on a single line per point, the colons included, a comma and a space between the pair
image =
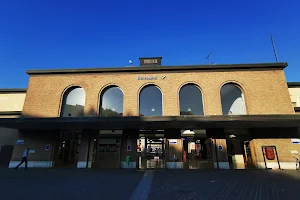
x: 231, y: 116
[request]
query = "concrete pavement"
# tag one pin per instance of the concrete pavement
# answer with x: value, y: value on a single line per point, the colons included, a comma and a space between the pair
x: 36, y: 184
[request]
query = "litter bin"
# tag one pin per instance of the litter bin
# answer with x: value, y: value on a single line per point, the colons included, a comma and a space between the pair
x: 128, y: 159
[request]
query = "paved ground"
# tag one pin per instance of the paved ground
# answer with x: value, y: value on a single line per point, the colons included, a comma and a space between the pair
x: 36, y: 184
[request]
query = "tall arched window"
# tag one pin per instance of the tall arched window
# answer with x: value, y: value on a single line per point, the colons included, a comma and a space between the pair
x: 111, y: 100
x: 150, y: 101
x: 73, y: 102
x: 190, y: 100
x: 232, y: 99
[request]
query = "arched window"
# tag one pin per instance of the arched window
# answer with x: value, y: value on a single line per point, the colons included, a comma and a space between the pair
x: 232, y: 99
x: 150, y: 101
x: 111, y: 100
x: 73, y: 102
x: 190, y: 100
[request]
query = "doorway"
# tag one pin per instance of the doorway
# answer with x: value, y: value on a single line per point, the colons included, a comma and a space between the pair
x: 106, y: 152
x: 151, y: 152
x: 197, y: 153
x: 67, y: 149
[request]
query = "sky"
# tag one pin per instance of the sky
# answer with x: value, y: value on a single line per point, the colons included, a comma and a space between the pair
x: 53, y: 34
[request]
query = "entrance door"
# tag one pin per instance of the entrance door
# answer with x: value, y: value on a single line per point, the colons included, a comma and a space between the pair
x: 67, y: 149
x: 106, y: 153
x: 196, y: 154
x: 151, y: 153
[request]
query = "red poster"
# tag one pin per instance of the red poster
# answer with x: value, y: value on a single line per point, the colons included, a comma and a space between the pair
x: 270, y: 154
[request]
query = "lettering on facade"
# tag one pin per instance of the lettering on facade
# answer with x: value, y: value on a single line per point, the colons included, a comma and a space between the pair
x: 146, y: 78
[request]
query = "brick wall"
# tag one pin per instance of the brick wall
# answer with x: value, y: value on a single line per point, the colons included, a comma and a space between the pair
x: 266, y: 92
x: 284, y: 147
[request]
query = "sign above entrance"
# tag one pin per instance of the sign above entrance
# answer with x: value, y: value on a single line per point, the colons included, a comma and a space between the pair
x: 150, y: 131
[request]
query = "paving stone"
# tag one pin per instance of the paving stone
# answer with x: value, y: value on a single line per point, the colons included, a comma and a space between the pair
x: 36, y: 184
x: 225, y: 184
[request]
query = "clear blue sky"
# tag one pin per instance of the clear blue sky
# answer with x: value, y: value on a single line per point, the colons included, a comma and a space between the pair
x: 49, y: 34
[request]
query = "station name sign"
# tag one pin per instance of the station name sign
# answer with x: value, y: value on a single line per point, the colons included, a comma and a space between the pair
x: 147, y: 78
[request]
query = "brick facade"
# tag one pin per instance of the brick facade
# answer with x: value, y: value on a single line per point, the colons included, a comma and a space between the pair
x: 265, y: 92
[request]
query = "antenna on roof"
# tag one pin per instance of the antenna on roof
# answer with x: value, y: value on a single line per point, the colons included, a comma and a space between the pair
x: 208, y: 59
x: 274, y: 48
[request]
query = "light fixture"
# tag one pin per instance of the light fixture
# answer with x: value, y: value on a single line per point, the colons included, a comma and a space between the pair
x: 188, y: 132
x: 231, y: 136
x: 153, y: 109
x: 189, y: 109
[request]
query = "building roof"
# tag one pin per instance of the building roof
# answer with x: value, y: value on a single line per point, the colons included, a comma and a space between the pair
x: 13, y: 90
x: 153, y: 123
x: 293, y: 84
x: 10, y: 113
x: 254, y: 66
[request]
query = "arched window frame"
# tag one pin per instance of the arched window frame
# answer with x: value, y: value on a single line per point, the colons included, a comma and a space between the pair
x: 101, y: 94
x: 195, y: 85
x: 64, y: 97
x: 242, y: 90
x: 141, y: 90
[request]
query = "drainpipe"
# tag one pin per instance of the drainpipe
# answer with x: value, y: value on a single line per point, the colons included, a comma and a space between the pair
x: 88, y: 152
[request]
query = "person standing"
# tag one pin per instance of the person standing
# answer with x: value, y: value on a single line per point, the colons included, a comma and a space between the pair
x: 24, y: 159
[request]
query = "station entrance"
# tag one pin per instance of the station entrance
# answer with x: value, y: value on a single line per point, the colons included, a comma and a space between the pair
x: 106, y: 152
x: 197, y: 153
x: 197, y: 150
x: 68, y: 149
x: 151, y: 151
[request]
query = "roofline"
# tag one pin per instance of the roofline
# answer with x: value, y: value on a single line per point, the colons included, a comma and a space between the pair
x: 293, y: 84
x: 13, y: 90
x: 159, y: 57
x: 297, y: 109
x: 249, y: 66
x: 10, y: 113
x: 162, y: 122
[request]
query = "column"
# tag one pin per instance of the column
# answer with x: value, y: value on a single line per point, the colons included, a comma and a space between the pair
x: 85, y: 150
x: 128, y: 148
x: 220, y: 156
x: 237, y: 157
